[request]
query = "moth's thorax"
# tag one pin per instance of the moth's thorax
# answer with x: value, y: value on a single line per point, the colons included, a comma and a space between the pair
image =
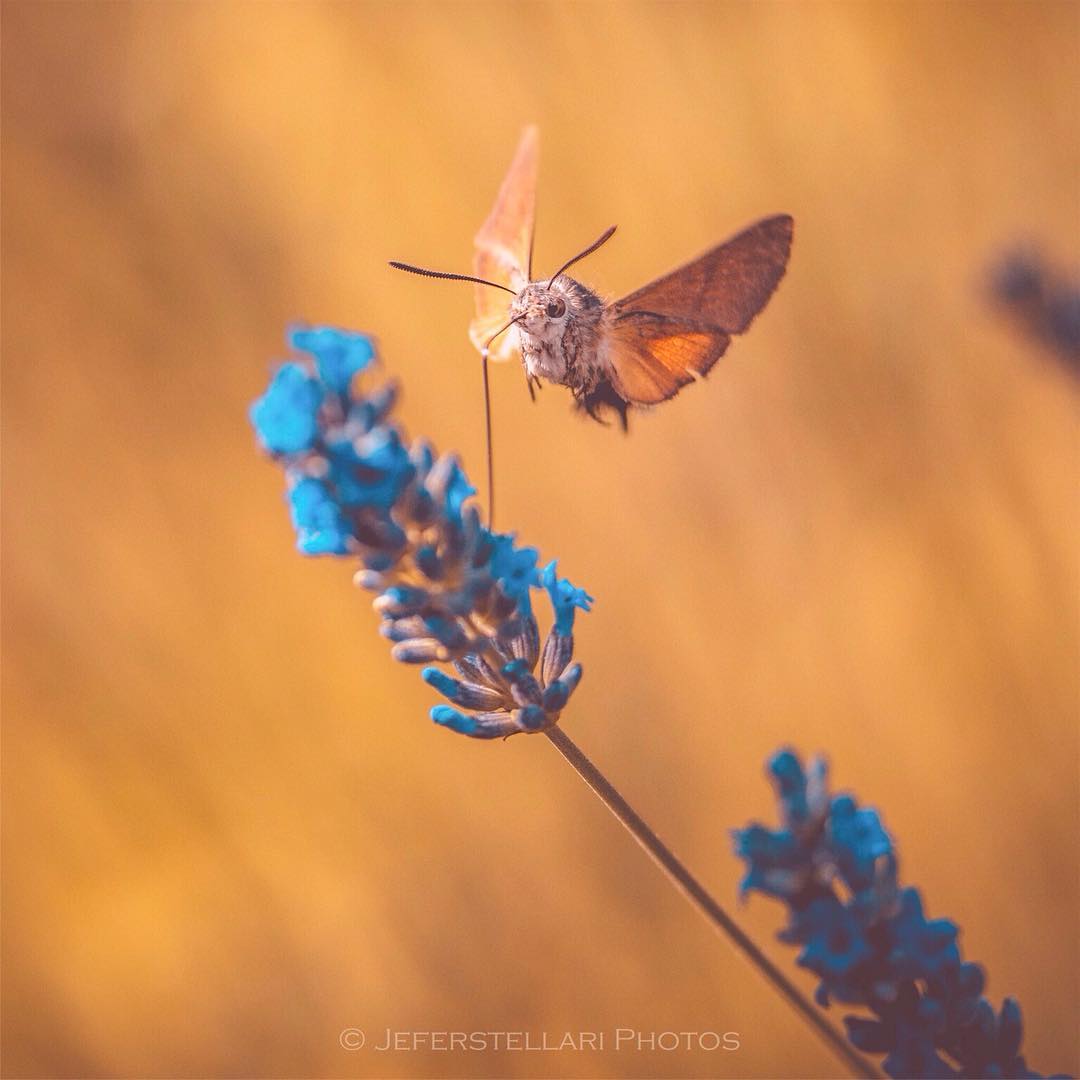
x: 557, y: 345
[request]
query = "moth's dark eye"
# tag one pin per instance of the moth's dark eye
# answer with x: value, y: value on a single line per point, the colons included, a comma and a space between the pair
x: 556, y: 308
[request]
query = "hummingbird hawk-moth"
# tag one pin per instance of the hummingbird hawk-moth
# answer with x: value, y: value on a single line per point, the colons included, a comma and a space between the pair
x: 637, y: 351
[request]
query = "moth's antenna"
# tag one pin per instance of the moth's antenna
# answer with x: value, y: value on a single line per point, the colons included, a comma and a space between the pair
x: 450, y: 277
x: 487, y: 420
x: 581, y: 255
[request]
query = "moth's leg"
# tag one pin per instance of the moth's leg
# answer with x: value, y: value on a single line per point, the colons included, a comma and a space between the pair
x: 531, y: 381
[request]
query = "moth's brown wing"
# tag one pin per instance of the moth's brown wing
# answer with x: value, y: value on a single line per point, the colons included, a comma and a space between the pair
x: 653, y: 356
x: 727, y: 286
x: 504, y: 246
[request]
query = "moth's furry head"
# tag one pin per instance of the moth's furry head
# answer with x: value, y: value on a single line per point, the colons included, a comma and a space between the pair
x: 556, y: 322
x: 543, y: 308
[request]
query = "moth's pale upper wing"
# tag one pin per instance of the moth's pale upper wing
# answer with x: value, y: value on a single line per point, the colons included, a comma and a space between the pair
x: 727, y: 286
x: 653, y: 356
x: 504, y: 246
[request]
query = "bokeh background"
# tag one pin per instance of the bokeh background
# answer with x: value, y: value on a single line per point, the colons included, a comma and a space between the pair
x: 229, y: 830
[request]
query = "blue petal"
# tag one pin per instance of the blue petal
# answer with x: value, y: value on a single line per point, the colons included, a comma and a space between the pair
x: 514, y: 569
x: 835, y: 944
x: 372, y: 471
x: 790, y: 780
x: 445, y: 684
x: 286, y: 416
x: 322, y: 529
x: 858, y: 839
x: 458, y: 489
x: 565, y: 598
x: 323, y: 543
x: 450, y: 718
x: 339, y: 354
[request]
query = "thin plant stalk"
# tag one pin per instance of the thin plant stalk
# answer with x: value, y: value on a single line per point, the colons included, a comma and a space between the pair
x: 696, y: 893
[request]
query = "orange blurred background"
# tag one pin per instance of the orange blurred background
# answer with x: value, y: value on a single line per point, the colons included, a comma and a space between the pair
x: 230, y: 831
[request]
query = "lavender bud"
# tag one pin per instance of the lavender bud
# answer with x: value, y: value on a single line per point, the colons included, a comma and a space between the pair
x: 558, y: 651
x: 419, y: 651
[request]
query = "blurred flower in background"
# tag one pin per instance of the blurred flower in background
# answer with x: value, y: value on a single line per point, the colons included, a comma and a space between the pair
x: 869, y: 941
x: 1043, y: 301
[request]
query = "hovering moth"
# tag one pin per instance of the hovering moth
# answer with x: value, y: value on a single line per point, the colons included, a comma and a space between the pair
x: 637, y: 351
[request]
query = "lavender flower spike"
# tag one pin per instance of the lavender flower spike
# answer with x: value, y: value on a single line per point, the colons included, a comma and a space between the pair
x: 449, y: 590
x: 869, y: 942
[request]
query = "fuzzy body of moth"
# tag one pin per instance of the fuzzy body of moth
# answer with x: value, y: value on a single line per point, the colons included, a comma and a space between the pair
x: 559, y: 327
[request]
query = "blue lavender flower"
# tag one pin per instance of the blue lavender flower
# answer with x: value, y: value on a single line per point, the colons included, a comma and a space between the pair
x: 565, y: 599
x: 514, y: 570
x: 921, y: 949
x: 834, y: 865
x: 339, y: 354
x: 321, y: 527
x: 286, y: 417
x: 857, y: 840
x: 802, y: 792
x: 1043, y: 301
x: 833, y: 937
x: 907, y: 1032
x: 449, y: 589
x: 775, y: 860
